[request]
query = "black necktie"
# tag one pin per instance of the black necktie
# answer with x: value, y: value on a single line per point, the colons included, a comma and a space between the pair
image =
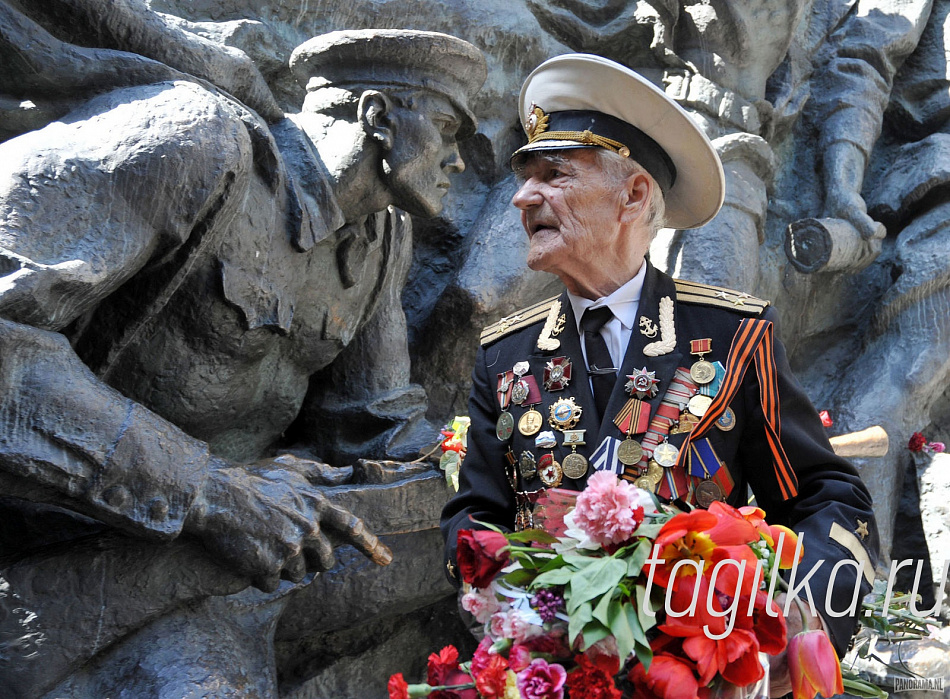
x: 603, y: 376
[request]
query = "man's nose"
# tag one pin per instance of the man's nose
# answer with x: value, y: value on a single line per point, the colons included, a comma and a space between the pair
x: 527, y: 196
x: 453, y: 161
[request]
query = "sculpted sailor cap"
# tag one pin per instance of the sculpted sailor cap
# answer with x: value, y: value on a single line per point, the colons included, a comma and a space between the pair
x: 584, y: 101
x: 394, y: 58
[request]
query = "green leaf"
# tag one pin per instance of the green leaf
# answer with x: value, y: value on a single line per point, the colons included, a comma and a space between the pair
x: 578, y: 620
x: 644, y: 655
x: 580, y: 562
x: 519, y: 578
x: 594, y: 631
x: 599, y: 577
x: 619, y: 624
x: 558, y: 576
x: 650, y: 529
x: 528, y: 535
x: 647, y: 622
x: 553, y: 563
x: 637, y: 558
x: 860, y: 688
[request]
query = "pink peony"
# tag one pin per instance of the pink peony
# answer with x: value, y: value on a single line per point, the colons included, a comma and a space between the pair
x: 609, y: 509
x: 541, y: 680
x: 481, y: 604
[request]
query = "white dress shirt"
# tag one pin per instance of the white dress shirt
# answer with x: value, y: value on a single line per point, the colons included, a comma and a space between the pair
x: 623, y: 303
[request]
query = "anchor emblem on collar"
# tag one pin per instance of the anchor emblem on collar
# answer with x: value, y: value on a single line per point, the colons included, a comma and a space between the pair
x: 647, y: 327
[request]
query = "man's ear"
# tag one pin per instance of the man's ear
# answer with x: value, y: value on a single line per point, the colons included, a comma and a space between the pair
x: 375, y: 115
x: 637, y: 191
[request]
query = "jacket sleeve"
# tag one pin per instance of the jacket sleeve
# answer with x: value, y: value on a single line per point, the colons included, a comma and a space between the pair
x: 828, y: 512
x: 85, y: 205
x: 484, y: 492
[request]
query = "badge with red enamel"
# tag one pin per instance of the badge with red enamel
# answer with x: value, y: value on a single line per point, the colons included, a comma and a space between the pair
x: 557, y: 374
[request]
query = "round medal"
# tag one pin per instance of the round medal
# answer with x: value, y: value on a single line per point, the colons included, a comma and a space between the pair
x: 666, y: 454
x: 574, y: 465
x: 530, y: 422
x: 644, y: 483
x: 654, y: 472
x: 629, y: 452
x: 551, y: 474
x: 727, y: 420
x: 702, y: 372
x: 698, y: 405
x: 505, y: 426
x: 564, y: 414
x: 707, y: 493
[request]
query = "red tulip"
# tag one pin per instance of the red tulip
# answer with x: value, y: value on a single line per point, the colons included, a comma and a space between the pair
x: 813, y: 666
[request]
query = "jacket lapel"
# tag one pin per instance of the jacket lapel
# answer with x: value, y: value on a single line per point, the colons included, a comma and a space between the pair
x: 656, y: 285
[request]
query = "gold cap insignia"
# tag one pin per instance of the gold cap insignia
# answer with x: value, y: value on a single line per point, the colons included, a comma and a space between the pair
x: 537, y: 122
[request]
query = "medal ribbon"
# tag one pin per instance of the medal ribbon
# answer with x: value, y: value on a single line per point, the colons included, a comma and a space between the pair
x: 506, y: 382
x: 634, y: 417
x: 753, y: 340
x: 681, y: 389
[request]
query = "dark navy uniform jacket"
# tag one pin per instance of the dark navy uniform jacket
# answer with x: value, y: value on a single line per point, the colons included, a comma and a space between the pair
x: 832, y: 501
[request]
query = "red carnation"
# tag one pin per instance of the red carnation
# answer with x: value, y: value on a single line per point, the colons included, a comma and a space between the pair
x: 917, y: 442
x: 593, y: 679
x: 490, y: 682
x: 398, y: 688
x: 442, y: 664
x: 481, y: 554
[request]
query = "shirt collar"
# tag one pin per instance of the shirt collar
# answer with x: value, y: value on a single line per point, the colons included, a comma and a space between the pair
x: 622, y: 303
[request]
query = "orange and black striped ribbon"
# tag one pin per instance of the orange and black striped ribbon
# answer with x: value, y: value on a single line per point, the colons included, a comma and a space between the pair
x: 753, y: 341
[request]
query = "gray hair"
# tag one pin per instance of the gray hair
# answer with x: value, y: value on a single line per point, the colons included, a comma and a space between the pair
x: 619, y: 169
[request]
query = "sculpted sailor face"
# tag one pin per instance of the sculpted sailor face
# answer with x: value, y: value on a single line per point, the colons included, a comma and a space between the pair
x: 419, y: 151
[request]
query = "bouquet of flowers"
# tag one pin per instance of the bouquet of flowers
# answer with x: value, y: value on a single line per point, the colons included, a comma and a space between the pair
x: 615, y: 595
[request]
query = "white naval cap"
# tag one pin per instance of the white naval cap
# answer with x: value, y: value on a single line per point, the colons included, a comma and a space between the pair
x: 584, y: 101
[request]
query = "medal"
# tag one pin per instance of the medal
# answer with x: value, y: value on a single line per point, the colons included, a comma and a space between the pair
x: 698, y: 405
x: 521, y: 389
x: 666, y: 454
x: 687, y: 421
x: 643, y: 383
x: 557, y: 374
x: 530, y: 422
x: 505, y: 426
x: 545, y: 440
x: 510, y: 470
x: 707, y: 492
x: 564, y: 414
x: 702, y: 372
x: 550, y: 471
x: 727, y: 420
x: 644, y: 483
x: 574, y: 464
x: 527, y: 466
x: 654, y: 472
x: 629, y: 452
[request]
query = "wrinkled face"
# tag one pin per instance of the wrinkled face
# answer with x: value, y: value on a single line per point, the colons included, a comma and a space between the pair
x: 570, y: 211
x: 424, y: 151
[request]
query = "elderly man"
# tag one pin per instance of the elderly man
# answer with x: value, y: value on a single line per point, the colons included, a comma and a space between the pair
x: 629, y: 370
x: 175, y: 278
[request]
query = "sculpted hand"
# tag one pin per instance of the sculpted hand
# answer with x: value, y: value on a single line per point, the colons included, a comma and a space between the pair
x: 267, y: 523
x: 844, y: 166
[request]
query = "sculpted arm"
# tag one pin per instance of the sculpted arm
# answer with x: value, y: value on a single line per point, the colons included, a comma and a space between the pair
x: 84, y: 206
x: 852, y: 90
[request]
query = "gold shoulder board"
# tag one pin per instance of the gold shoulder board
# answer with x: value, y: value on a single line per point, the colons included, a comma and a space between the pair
x: 517, y: 320
x: 707, y: 295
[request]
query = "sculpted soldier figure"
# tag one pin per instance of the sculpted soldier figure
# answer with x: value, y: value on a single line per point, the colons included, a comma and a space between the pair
x: 172, y: 274
x: 631, y: 371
